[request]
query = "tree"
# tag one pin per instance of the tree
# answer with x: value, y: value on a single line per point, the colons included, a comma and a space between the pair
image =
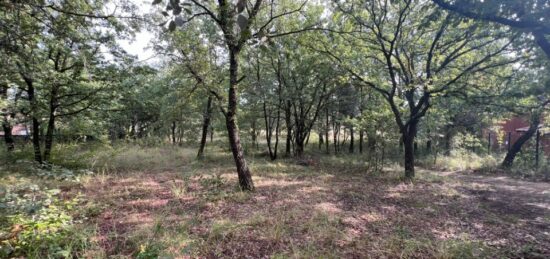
x: 54, y: 50
x: 422, y: 56
x: 238, y: 23
x: 526, y: 16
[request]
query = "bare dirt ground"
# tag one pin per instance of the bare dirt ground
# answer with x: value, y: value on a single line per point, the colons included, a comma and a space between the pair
x: 318, y: 211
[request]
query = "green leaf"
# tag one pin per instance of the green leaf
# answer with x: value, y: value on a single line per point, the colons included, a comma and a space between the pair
x: 172, y: 26
x: 241, y: 5
x: 242, y: 21
x: 157, y: 2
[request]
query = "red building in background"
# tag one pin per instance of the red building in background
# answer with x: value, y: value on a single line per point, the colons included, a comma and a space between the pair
x: 510, y: 131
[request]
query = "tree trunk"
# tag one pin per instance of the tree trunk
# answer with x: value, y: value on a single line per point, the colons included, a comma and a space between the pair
x: 327, y: 142
x: 211, y: 134
x: 205, y: 126
x: 516, y: 147
x: 48, y: 142
x: 245, y: 177
x: 6, y: 125
x: 408, y: 135
x: 254, y: 134
x: 409, y: 155
x: 448, y: 139
x: 335, y: 133
x: 8, y: 138
x: 299, y: 137
x: 321, y: 140
x: 288, y: 122
x: 173, y: 132
x: 537, y: 149
x: 35, y: 121
x: 277, y: 130
x: 361, y: 140
x: 268, y: 132
x: 351, y: 140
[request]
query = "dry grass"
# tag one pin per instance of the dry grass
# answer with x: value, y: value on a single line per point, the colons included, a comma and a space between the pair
x: 161, y: 202
x: 332, y: 210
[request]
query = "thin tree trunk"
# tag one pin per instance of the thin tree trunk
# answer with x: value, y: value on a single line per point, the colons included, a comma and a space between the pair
x: 254, y: 135
x: 351, y: 140
x: 277, y: 131
x: 205, y: 126
x: 268, y: 131
x: 321, y: 140
x: 245, y: 176
x: 288, y: 118
x: 173, y: 132
x: 335, y: 133
x: 361, y: 140
x: 49, y: 136
x: 6, y: 125
x: 211, y: 134
x: 537, y: 149
x: 34, y: 119
x: 448, y: 139
x: 327, y: 143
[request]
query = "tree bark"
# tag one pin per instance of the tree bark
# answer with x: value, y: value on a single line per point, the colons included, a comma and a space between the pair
x: 409, y: 134
x: 321, y: 140
x: 537, y: 149
x: 448, y: 139
x: 34, y: 119
x: 254, y: 134
x: 361, y: 140
x: 48, y: 141
x: 268, y: 132
x: 245, y: 176
x: 409, y: 155
x: 516, y: 147
x: 205, y: 126
x: 173, y: 132
x: 351, y: 140
x: 288, y: 118
x: 6, y: 125
x: 327, y: 141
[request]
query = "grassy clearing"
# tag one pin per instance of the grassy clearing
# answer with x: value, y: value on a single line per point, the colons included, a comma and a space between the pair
x: 150, y: 202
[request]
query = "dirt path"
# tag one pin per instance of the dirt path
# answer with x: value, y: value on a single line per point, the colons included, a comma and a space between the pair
x: 529, y: 200
x: 523, y: 206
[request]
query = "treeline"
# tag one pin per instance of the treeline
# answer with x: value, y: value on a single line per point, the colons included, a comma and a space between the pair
x: 361, y: 76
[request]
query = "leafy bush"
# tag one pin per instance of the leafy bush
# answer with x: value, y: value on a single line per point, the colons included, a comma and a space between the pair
x: 38, y: 223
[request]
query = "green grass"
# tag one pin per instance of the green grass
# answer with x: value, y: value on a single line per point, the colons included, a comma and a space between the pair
x: 145, y: 201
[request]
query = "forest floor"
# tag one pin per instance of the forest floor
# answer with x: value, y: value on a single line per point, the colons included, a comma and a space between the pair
x: 328, y: 209
x: 170, y: 205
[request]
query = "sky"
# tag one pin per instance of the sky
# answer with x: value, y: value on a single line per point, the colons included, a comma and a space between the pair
x: 140, y: 45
